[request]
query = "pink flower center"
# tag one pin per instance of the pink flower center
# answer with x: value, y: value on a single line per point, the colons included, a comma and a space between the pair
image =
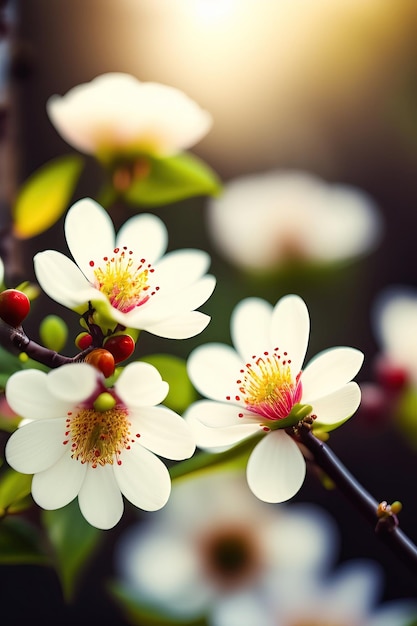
x: 126, y: 283
x: 267, y: 387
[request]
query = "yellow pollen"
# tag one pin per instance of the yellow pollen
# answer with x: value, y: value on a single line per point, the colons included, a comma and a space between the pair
x: 125, y: 282
x: 98, y: 437
x: 267, y: 386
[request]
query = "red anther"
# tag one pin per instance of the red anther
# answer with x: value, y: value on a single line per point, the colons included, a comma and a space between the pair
x: 102, y: 360
x: 14, y: 306
x: 121, y: 347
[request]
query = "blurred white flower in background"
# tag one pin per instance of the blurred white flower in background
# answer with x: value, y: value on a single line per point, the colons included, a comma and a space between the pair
x: 214, y: 542
x: 395, y: 326
x: 263, y: 221
x: 348, y: 596
x: 117, y: 114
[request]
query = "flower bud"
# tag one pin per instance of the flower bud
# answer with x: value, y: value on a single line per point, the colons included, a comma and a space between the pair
x: 53, y: 332
x: 14, y: 306
x: 101, y: 359
x: 104, y: 402
x: 121, y: 347
x: 83, y: 341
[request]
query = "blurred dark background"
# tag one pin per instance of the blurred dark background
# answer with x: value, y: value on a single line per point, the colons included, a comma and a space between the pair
x: 328, y: 88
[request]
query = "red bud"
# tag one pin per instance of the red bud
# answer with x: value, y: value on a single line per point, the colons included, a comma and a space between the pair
x: 103, y: 360
x: 14, y: 306
x: 83, y: 341
x: 121, y: 347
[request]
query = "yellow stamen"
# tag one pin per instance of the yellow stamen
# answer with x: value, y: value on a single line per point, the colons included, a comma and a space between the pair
x: 125, y: 283
x: 98, y: 437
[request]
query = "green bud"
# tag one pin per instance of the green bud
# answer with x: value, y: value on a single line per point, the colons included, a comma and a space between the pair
x: 396, y: 507
x: 53, y: 332
x: 104, y: 402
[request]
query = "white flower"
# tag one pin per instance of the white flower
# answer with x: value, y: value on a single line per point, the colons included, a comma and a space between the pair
x: 85, y: 440
x: 126, y: 278
x: 395, y: 325
x: 116, y: 114
x: 253, y: 388
x: 214, y: 541
x: 265, y: 220
x: 348, y: 597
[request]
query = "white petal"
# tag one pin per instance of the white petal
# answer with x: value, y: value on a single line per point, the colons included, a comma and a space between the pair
x: 276, y: 468
x: 330, y: 370
x: 249, y: 327
x: 90, y: 234
x: 72, y: 383
x: 305, y: 539
x: 224, y: 414
x: 163, y: 567
x: 290, y: 329
x: 360, y: 580
x: 143, y: 478
x: 146, y: 235
x: 163, y: 306
x: 62, y: 280
x: 100, y: 499
x: 36, y: 446
x: 242, y: 608
x: 140, y: 384
x: 206, y: 438
x: 337, y: 407
x: 181, y: 326
x: 222, y: 421
x: 163, y: 432
x: 28, y: 395
x: 181, y: 268
x: 213, y: 369
x: 58, y: 485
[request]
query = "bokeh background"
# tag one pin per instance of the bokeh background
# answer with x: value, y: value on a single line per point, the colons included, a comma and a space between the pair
x: 324, y: 87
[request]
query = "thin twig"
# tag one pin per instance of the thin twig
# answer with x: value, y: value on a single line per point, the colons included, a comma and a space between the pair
x: 386, y: 526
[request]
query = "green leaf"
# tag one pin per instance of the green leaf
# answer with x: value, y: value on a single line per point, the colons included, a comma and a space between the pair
x: 172, y: 179
x: 45, y: 195
x: 14, y: 489
x: 20, y: 542
x: 174, y: 371
x: 143, y: 615
x: 73, y: 540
